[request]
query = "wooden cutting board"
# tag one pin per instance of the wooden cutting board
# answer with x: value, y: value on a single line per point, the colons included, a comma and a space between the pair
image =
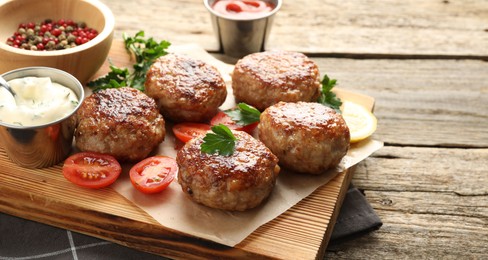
x: 43, y: 195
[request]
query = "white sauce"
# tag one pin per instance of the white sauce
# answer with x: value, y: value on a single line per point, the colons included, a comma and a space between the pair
x: 38, y: 101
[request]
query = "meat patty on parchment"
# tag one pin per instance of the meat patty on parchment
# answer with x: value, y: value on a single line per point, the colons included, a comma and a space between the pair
x: 122, y: 122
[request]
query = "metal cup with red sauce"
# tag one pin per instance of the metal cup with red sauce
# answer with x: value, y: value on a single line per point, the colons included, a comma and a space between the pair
x: 242, y: 27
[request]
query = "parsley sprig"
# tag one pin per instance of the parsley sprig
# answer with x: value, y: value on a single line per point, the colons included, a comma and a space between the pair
x: 220, y: 141
x: 244, y: 114
x: 145, y: 52
x: 327, y: 97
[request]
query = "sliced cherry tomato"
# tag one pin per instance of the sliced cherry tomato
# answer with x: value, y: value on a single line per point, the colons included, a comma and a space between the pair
x: 91, y: 170
x: 153, y: 174
x: 187, y: 131
x: 224, y: 119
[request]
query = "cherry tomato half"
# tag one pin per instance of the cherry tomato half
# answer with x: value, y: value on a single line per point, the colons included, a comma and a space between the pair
x: 91, y: 170
x: 187, y: 131
x: 224, y: 119
x: 153, y: 174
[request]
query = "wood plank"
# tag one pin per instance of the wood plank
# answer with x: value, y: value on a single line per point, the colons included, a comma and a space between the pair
x: 446, y: 203
x: 418, y: 236
x: 437, y: 103
x: 365, y: 28
x: 44, y: 195
x: 425, y: 169
x: 436, y: 207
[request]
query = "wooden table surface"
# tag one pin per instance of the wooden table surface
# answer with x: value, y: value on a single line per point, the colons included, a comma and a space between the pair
x: 425, y: 63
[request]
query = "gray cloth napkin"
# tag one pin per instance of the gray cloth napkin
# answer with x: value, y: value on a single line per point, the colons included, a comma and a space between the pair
x: 356, y: 218
x: 24, y: 239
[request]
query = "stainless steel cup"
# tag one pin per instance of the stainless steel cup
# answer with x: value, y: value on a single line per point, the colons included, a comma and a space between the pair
x: 43, y: 145
x: 238, y: 37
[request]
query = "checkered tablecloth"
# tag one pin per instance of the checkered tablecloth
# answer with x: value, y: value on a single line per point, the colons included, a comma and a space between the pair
x: 23, y: 239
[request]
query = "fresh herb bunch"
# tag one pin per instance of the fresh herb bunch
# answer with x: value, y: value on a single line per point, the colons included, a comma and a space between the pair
x: 145, y: 52
x: 244, y: 114
x: 222, y: 141
x: 327, y: 97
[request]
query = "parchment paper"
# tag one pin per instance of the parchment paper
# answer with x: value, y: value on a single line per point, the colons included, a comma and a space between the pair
x: 174, y: 210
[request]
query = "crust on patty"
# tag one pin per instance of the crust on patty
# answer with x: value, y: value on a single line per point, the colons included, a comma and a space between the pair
x: 265, y: 78
x: 307, y: 137
x: 122, y: 122
x: 240, y: 181
x: 186, y: 89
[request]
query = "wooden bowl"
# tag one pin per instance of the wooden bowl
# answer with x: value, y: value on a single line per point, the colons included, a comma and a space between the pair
x: 82, y: 61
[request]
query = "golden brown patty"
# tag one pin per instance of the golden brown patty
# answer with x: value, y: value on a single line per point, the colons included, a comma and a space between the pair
x: 307, y: 137
x: 122, y: 122
x: 265, y: 78
x: 237, y: 182
x: 186, y: 89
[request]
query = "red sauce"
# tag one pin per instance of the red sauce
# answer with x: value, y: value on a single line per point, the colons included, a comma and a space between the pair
x: 242, y: 8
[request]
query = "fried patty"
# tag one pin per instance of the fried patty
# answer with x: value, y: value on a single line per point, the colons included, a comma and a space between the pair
x: 265, y: 78
x: 307, y: 137
x: 186, y: 89
x: 238, y: 182
x: 122, y: 122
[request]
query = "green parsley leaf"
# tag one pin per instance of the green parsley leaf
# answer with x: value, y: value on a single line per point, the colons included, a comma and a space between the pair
x: 145, y: 52
x: 244, y: 114
x: 327, y: 97
x: 221, y: 141
x: 116, y: 78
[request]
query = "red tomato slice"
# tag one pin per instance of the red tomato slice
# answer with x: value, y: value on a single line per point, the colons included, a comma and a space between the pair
x: 91, y: 170
x: 187, y: 131
x: 153, y: 174
x: 223, y: 118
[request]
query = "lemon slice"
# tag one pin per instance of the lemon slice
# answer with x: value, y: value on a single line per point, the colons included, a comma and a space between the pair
x: 361, y: 122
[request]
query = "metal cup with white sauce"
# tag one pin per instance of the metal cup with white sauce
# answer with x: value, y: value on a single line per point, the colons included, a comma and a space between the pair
x: 238, y: 37
x: 46, y: 144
